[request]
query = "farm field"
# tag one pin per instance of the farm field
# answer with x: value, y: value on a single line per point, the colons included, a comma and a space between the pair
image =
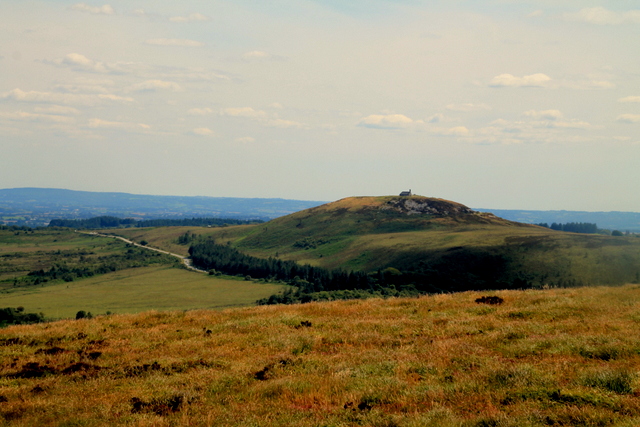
x: 559, y: 357
x: 137, y: 290
x: 60, y: 272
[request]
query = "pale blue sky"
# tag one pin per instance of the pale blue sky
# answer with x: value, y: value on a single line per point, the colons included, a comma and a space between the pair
x: 495, y: 104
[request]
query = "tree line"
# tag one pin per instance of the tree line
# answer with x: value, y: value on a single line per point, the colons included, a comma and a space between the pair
x: 115, y: 222
x: 458, y: 270
x: 17, y: 316
x: 88, y: 266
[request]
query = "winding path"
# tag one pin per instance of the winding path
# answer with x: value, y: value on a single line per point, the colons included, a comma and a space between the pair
x: 186, y: 260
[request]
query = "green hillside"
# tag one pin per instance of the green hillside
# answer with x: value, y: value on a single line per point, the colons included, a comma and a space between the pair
x: 434, y: 238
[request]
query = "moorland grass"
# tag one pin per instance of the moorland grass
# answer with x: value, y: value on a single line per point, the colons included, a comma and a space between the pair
x: 137, y: 290
x: 563, y: 357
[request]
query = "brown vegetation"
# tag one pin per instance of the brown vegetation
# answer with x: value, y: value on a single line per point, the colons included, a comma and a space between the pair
x: 563, y: 357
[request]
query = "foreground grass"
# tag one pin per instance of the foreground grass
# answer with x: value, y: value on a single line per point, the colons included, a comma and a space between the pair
x: 137, y: 290
x: 557, y: 357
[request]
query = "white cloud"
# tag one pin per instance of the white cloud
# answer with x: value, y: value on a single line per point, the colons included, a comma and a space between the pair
x: 31, y: 117
x: 104, y: 124
x: 96, y: 10
x: 115, y: 98
x: 535, y: 14
x: 630, y: 99
x: 602, y: 16
x: 154, y: 85
x: 174, y: 42
x: 454, y: 131
x: 57, y: 109
x: 508, y: 80
x: 245, y: 140
x: 199, y: 111
x: 572, y: 124
x: 283, y: 124
x: 79, y: 62
x: 243, y: 112
x: 203, y: 132
x: 544, y: 114
x: 81, y: 88
x: 390, y: 121
x: 194, y: 17
x: 629, y: 118
x: 276, y: 105
x: 62, y: 98
x: 467, y: 107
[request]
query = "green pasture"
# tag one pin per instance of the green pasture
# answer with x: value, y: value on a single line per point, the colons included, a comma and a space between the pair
x: 138, y: 290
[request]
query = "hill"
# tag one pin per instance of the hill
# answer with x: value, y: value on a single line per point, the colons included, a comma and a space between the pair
x: 557, y: 357
x: 440, y: 243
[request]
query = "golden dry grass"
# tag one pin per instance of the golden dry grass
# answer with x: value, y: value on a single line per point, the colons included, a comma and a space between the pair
x: 546, y: 357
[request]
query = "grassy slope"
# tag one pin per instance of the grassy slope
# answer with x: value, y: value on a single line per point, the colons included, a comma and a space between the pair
x: 124, y: 291
x: 137, y: 290
x: 27, y: 251
x: 354, y: 233
x: 554, y: 357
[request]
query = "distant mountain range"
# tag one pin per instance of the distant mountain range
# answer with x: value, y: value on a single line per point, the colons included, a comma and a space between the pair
x: 623, y: 221
x: 37, y: 206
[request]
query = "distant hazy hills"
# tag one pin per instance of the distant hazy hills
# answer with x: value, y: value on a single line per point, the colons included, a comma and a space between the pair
x: 623, y: 221
x: 37, y: 206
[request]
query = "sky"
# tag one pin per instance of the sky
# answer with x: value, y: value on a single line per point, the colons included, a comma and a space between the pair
x: 491, y: 103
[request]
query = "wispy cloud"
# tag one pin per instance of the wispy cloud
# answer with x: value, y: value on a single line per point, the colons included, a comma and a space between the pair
x: 174, y: 42
x: 105, y: 124
x: 57, y: 109
x: 628, y: 118
x: 243, y: 112
x: 33, y: 117
x: 63, y: 98
x: 95, y: 10
x: 508, y: 80
x: 79, y: 62
x: 245, y: 139
x: 389, y: 121
x: 544, y: 114
x: 467, y: 107
x: 258, y: 55
x: 630, y: 99
x: 602, y: 16
x: 203, y: 132
x: 283, y: 124
x: 155, y: 85
x: 200, y: 111
x: 453, y: 131
x: 194, y: 17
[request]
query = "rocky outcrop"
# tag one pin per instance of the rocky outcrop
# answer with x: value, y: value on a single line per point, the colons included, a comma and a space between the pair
x: 429, y: 206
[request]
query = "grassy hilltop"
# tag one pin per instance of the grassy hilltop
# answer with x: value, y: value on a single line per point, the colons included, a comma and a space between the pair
x: 443, y: 241
x: 561, y: 357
